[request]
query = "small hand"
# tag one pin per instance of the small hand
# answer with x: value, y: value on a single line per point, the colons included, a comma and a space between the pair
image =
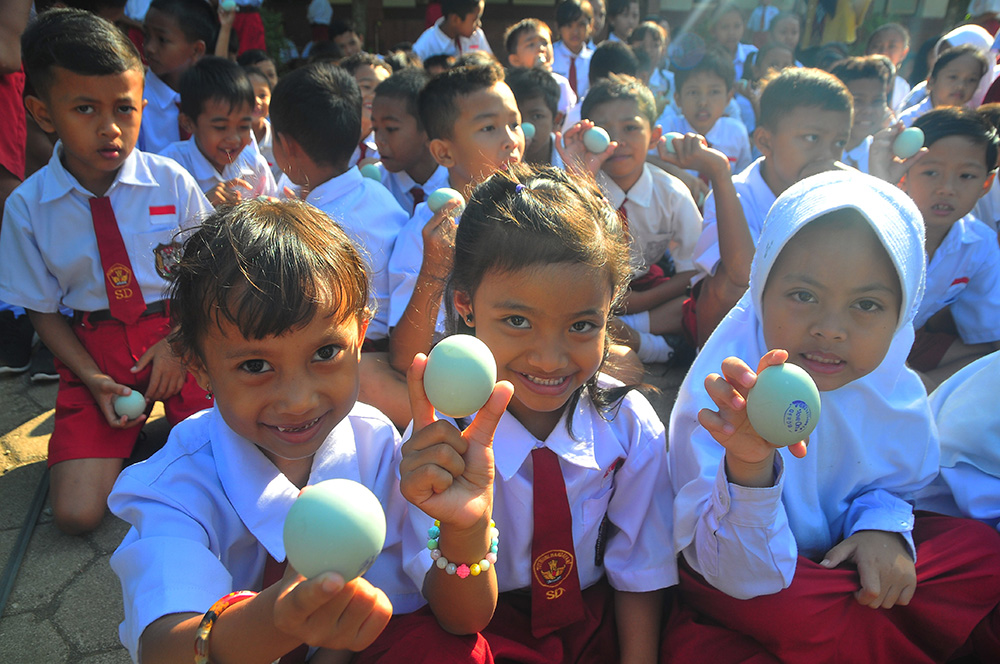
x: 105, y: 389
x: 887, y: 573
x: 228, y: 192
x: 168, y: 373
x: 439, y: 240
x: 575, y: 154
x: 883, y: 162
x: 692, y: 153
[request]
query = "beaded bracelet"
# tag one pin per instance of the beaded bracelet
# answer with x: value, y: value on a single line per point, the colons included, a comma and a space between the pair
x: 207, y: 622
x: 463, y: 570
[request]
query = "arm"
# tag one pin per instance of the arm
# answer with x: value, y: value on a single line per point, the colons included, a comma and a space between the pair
x: 636, y: 301
x: 225, y: 30
x: 13, y: 20
x: 638, y: 618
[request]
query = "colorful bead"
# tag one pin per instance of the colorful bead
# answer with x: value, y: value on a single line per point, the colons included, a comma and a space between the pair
x: 432, y: 544
x: 433, y: 532
x: 484, y: 565
x: 474, y: 569
x: 492, y: 557
x: 435, y: 554
x: 451, y: 568
x: 441, y: 562
x: 462, y: 571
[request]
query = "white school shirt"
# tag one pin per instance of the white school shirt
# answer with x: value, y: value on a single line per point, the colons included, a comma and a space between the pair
x: 208, y: 508
x: 661, y: 84
x: 404, y: 267
x: 964, y: 274
x: 319, y: 12
x: 567, y: 98
x: 372, y: 218
x: 638, y: 556
x: 400, y: 185
x: 900, y: 88
x: 661, y: 216
x: 987, y: 209
x: 48, y: 250
x: 727, y: 135
x: 561, y: 57
x: 249, y: 165
x: 159, y: 126
x: 743, y: 52
x: 756, y: 198
x: 858, y: 157
x: 434, y: 41
x: 266, y: 148
x: 908, y: 116
x: 761, y: 17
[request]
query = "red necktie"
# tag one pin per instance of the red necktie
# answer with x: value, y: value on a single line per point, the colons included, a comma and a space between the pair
x: 418, y: 196
x: 181, y: 131
x: 363, y: 148
x: 556, y: 600
x: 273, y: 571
x: 623, y: 213
x: 458, y: 45
x: 125, y: 300
x: 572, y: 75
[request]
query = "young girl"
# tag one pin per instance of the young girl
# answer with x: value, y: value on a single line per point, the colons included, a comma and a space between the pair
x: 952, y: 82
x: 725, y: 29
x: 623, y: 18
x: 835, y: 283
x: 261, y: 125
x: 786, y: 29
x: 581, y: 494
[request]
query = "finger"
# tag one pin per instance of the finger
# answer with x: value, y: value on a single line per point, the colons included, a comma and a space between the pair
x: 870, y: 593
x: 772, y: 358
x: 890, y: 597
x: 837, y: 555
x: 420, y: 407
x: 375, y: 621
x: 799, y: 449
x: 738, y: 374
x: 290, y: 193
x: 483, y: 428
x: 724, y: 394
x: 301, y: 600
x: 714, y: 423
x: 145, y: 359
x: 906, y: 594
x: 239, y: 182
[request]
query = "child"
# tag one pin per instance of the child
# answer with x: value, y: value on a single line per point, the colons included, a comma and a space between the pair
x: 598, y: 25
x: 261, y: 61
x: 725, y: 29
x: 652, y: 39
x: 623, y: 17
x: 540, y: 265
x: 270, y: 306
x: 770, y: 59
x: 94, y: 231
x: 457, y: 32
x: 178, y: 34
x: 529, y: 46
x: 610, y: 57
x: 952, y: 82
x: 408, y: 168
x: 217, y: 102
x: 761, y: 19
x: 345, y: 38
x: 537, y: 96
x: 786, y: 29
x: 868, y: 80
x: 316, y: 117
x: 823, y: 538
x: 893, y: 41
x: 368, y: 70
x: 571, y: 55
x: 804, y: 124
x: 260, y: 122
x: 702, y: 93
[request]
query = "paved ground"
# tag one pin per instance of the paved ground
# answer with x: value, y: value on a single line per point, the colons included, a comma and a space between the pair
x: 66, y: 602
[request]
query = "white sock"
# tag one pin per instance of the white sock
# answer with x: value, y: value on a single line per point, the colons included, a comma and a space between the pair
x: 654, y: 348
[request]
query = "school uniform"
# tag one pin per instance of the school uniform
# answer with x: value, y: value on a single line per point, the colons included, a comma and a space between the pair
x: 908, y: 116
x: 727, y: 135
x: 405, y: 189
x: 900, y: 88
x: 857, y: 157
x: 371, y: 217
x: 248, y: 25
x: 743, y: 52
x: 249, y: 166
x: 208, y: 509
x: 661, y: 84
x: 749, y: 553
x: 565, y: 62
x: 761, y: 17
x: 404, y: 267
x: 367, y: 149
x: 567, y: 97
x: 987, y: 207
x: 160, y: 124
x: 49, y: 258
x: 433, y: 41
x: 266, y: 147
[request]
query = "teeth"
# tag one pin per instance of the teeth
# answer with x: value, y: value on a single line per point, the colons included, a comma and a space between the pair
x: 545, y: 381
x: 821, y: 360
x: 294, y: 429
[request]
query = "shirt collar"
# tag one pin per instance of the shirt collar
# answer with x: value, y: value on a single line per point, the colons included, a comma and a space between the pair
x: 159, y: 93
x: 59, y: 182
x: 335, y: 187
x: 202, y: 168
x: 641, y: 192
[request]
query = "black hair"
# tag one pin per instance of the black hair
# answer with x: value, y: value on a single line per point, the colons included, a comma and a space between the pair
x: 992, y: 114
x: 713, y: 62
x: 339, y: 27
x: 405, y: 85
x: 353, y: 62
x: 956, y: 121
x: 195, y: 18
x: 476, y: 59
x: 618, y: 87
x: 214, y: 78
x: 796, y: 87
x: 442, y: 60
x: 890, y: 27
x: 438, y: 101
x: 612, y: 57
x: 949, y: 55
x: 751, y: 73
x: 616, y: 7
x: 784, y: 16
x: 78, y: 41
x: 853, y: 69
x: 327, y: 51
x: 570, y: 11
x: 319, y: 106
x: 527, y: 84
x: 512, y: 35
x: 920, y: 68
x: 95, y: 6
x: 259, y: 73
x: 266, y: 267
x: 460, y: 8
x: 252, y: 57
x: 643, y: 29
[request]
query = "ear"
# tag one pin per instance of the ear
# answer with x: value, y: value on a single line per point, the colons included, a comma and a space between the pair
x: 199, y: 50
x: 362, y: 331
x: 988, y: 184
x: 732, y: 92
x: 187, y: 123
x: 40, y: 112
x: 557, y: 121
x: 654, y: 137
x: 441, y: 151
x: 194, y: 364
x: 463, y: 305
x: 763, y: 138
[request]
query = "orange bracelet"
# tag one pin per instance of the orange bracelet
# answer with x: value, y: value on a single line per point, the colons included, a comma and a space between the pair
x: 201, y: 640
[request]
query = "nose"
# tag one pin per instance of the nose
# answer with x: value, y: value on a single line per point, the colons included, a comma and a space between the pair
x: 548, y: 355
x: 109, y: 126
x: 297, y: 395
x: 829, y: 326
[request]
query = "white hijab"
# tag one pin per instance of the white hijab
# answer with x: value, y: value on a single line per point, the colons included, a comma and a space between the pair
x: 979, y: 37
x: 875, y: 444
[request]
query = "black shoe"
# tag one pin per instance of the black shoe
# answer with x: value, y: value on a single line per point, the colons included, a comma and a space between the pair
x: 43, y: 365
x: 15, y: 343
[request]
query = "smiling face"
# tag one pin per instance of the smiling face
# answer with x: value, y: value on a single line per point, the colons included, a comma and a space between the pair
x: 703, y: 100
x: 871, y: 109
x: 948, y: 181
x: 368, y: 78
x: 624, y: 123
x: 221, y: 131
x: 832, y: 300
x: 807, y: 140
x: 167, y: 49
x: 534, y: 49
x: 262, y: 96
x: 546, y: 326
x: 957, y: 81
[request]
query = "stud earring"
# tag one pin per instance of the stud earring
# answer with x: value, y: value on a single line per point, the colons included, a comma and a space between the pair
x: 468, y: 318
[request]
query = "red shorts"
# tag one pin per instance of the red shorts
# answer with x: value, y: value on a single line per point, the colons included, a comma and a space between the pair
x: 929, y: 348
x: 249, y: 29
x: 654, y: 277
x: 81, y: 430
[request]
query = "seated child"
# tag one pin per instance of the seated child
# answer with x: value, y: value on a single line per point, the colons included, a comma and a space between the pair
x: 260, y: 122
x: 529, y: 46
x: 828, y: 539
x: 760, y: 67
x: 217, y: 102
x: 457, y: 32
x: 622, y: 19
x: 408, y: 168
x: 94, y: 231
x: 537, y: 96
x: 987, y: 210
x: 952, y: 81
x: 610, y: 57
x: 868, y: 80
x: 571, y: 55
x: 786, y: 30
x: 725, y: 30
x: 178, y: 34
x: 368, y: 70
x: 893, y: 41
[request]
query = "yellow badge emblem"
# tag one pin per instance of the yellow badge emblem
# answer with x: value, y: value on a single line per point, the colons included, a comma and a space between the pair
x: 552, y: 567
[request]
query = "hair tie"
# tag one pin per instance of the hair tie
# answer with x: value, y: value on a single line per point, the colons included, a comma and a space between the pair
x: 518, y: 188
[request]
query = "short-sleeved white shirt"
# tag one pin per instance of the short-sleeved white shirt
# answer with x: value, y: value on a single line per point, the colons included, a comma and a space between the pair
x: 434, y: 41
x: 567, y: 98
x: 404, y: 266
x: 661, y: 216
x: 371, y: 217
x: 561, y: 57
x: 208, y: 508
x: 48, y: 250
x: 908, y: 116
x: 761, y: 17
x: 743, y: 52
x: 858, y: 157
x: 728, y: 136
x: 400, y: 185
x: 964, y: 274
x: 900, y: 88
x: 638, y: 556
x: 319, y: 12
x: 249, y: 165
x: 987, y: 210
x: 159, y: 126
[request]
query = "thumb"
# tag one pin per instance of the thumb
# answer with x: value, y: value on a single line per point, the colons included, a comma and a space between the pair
x: 838, y: 554
x: 485, y: 425
x: 146, y: 358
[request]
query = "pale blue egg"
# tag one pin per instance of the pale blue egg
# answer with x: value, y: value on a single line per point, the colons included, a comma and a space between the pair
x: 783, y: 406
x: 670, y: 136
x: 228, y: 5
x: 460, y: 375
x: 908, y: 143
x: 371, y: 171
x: 596, y: 140
x: 131, y: 406
x: 437, y: 200
x: 528, y: 129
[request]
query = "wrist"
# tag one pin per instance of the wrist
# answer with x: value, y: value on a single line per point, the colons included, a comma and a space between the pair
x: 752, y: 474
x: 465, y: 543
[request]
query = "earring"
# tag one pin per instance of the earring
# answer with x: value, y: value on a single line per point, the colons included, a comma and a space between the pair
x: 468, y: 318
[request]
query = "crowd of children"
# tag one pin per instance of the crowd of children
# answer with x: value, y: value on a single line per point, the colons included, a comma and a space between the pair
x: 258, y: 252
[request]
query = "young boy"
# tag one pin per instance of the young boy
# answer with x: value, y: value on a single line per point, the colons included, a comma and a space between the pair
x: 893, y: 41
x: 537, y: 96
x: 571, y: 55
x: 217, y: 102
x: 702, y: 93
x: 94, y: 231
x: 868, y: 79
x: 368, y: 70
x: 178, y: 34
x: 804, y: 124
x: 457, y: 32
x: 529, y: 46
x: 474, y: 127
x: 658, y: 209
x: 345, y: 38
x: 408, y: 168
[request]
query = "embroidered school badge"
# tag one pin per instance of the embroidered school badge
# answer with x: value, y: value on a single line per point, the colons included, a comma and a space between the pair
x: 119, y: 275
x: 552, y: 567
x: 167, y: 256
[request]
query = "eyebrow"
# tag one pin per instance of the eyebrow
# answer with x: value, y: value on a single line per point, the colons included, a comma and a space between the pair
x: 866, y: 288
x: 518, y: 306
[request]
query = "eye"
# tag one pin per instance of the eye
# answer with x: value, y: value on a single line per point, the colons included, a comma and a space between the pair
x: 583, y: 326
x: 327, y: 352
x: 869, y: 306
x: 811, y: 138
x: 86, y: 109
x: 126, y: 109
x: 802, y: 296
x: 255, y: 366
x: 488, y: 128
x: 519, y: 322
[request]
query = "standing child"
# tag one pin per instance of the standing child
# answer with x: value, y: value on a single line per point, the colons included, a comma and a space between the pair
x: 368, y: 70
x: 261, y: 123
x: 786, y: 29
x: 457, y: 32
x: 94, y: 231
x: 529, y: 46
x: 217, y: 105
x: 571, y: 54
x: 952, y: 81
x: 828, y: 539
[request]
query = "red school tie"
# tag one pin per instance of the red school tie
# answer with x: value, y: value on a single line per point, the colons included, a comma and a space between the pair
x: 458, y: 45
x: 623, y: 213
x: 125, y: 301
x: 418, y: 196
x: 273, y: 571
x: 572, y: 75
x: 556, y: 599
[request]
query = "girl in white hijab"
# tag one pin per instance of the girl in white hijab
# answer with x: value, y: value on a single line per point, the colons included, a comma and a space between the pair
x: 836, y: 280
